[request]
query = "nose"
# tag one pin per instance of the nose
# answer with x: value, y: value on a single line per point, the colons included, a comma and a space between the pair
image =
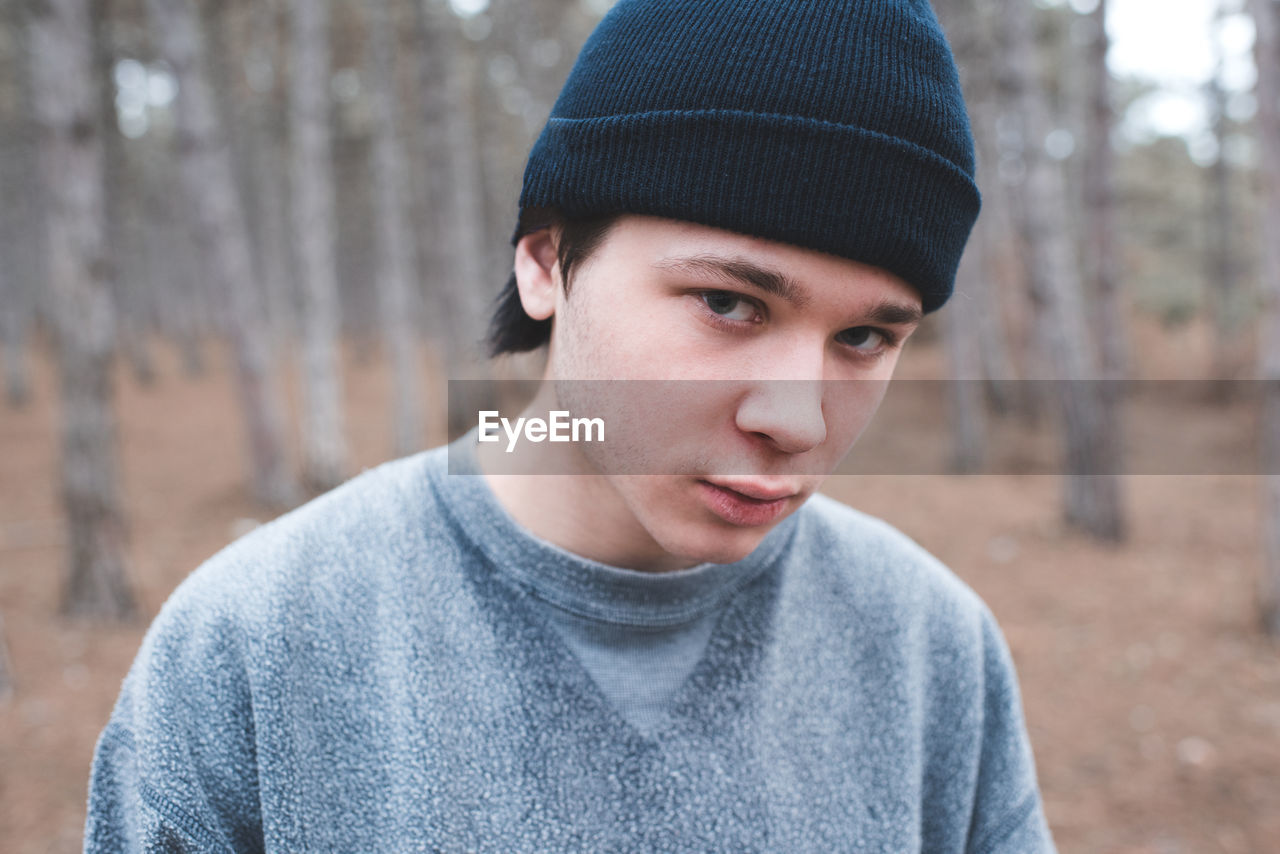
x: 787, y: 413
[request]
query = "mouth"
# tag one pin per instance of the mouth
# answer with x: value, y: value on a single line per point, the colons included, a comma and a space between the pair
x: 757, y: 490
x: 746, y: 504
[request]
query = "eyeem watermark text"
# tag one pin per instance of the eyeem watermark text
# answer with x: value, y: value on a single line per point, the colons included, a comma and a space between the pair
x: 560, y: 428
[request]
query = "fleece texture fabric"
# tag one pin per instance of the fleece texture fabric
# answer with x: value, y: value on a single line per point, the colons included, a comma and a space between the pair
x: 380, y: 671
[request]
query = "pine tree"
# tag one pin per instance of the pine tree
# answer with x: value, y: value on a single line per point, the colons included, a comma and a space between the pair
x: 67, y: 109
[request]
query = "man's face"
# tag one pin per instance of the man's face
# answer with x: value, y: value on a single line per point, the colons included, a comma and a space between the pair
x: 774, y: 358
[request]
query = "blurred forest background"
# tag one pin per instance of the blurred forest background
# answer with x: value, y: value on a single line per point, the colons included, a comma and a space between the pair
x: 244, y: 244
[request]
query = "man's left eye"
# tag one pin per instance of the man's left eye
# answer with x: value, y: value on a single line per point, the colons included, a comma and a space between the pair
x: 729, y: 306
x: 866, y: 338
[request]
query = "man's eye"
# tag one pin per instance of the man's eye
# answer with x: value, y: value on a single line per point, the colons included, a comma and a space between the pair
x: 865, y: 338
x: 729, y: 306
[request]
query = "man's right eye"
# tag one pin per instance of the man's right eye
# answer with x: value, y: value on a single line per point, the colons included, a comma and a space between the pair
x: 729, y: 306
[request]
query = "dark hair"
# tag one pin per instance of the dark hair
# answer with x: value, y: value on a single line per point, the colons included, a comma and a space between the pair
x: 510, y: 329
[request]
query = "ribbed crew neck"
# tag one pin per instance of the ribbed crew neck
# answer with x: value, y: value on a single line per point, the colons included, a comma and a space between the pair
x: 580, y: 585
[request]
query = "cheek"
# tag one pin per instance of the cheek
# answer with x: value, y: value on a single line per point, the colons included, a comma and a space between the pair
x: 603, y: 335
x: 669, y: 509
x: 849, y: 409
x: 664, y: 505
x: 652, y: 427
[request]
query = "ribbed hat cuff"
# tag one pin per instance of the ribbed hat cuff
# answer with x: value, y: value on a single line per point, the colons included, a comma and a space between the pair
x: 852, y: 192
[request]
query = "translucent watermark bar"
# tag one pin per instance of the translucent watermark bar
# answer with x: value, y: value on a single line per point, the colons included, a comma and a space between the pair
x: 777, y: 427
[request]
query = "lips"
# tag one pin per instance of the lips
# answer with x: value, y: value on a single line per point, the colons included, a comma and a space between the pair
x: 754, y: 490
x: 745, y: 504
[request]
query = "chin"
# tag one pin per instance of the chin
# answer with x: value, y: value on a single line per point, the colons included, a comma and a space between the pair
x: 683, y: 528
x: 714, y: 544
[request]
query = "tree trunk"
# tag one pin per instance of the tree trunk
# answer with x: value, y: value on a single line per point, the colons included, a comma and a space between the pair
x: 268, y: 144
x: 15, y: 319
x: 21, y: 218
x: 6, y: 670
x: 395, y: 266
x: 15, y: 309
x: 13, y: 342
x: 1092, y: 500
x: 968, y: 26
x: 1266, y: 15
x: 1109, y: 309
x: 129, y: 297
x: 963, y: 311
x: 66, y: 102
x: 255, y: 62
x: 1099, y: 199
x: 968, y: 421
x: 324, y: 450
x: 208, y: 183
x: 454, y: 223
x: 1002, y: 391
x: 1222, y: 290
x: 172, y: 263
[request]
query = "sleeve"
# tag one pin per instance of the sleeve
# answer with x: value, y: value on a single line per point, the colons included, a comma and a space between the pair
x: 1008, y: 816
x: 174, y: 769
x: 127, y: 814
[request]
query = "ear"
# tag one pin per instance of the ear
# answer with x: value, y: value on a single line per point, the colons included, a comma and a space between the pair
x: 538, y: 273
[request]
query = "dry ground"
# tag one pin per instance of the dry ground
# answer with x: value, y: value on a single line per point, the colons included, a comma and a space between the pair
x: 1152, y: 702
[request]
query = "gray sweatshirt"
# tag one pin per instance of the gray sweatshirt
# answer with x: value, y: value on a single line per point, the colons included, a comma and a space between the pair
x: 398, y: 666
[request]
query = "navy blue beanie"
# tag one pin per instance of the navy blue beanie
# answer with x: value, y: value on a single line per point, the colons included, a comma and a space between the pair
x: 835, y: 125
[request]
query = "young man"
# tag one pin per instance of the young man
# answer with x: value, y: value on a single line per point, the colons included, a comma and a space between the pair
x: 664, y: 641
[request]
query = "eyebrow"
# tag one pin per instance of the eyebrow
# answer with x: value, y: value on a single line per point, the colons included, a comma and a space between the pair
x: 737, y: 270
x: 887, y: 311
x: 892, y: 313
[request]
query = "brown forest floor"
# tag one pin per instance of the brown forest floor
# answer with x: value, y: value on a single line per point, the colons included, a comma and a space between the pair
x: 1152, y: 701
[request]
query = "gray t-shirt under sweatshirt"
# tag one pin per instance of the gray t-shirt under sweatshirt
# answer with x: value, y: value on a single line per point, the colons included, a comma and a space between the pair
x: 398, y: 666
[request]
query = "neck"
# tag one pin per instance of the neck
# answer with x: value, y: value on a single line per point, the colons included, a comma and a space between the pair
x: 553, y: 492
